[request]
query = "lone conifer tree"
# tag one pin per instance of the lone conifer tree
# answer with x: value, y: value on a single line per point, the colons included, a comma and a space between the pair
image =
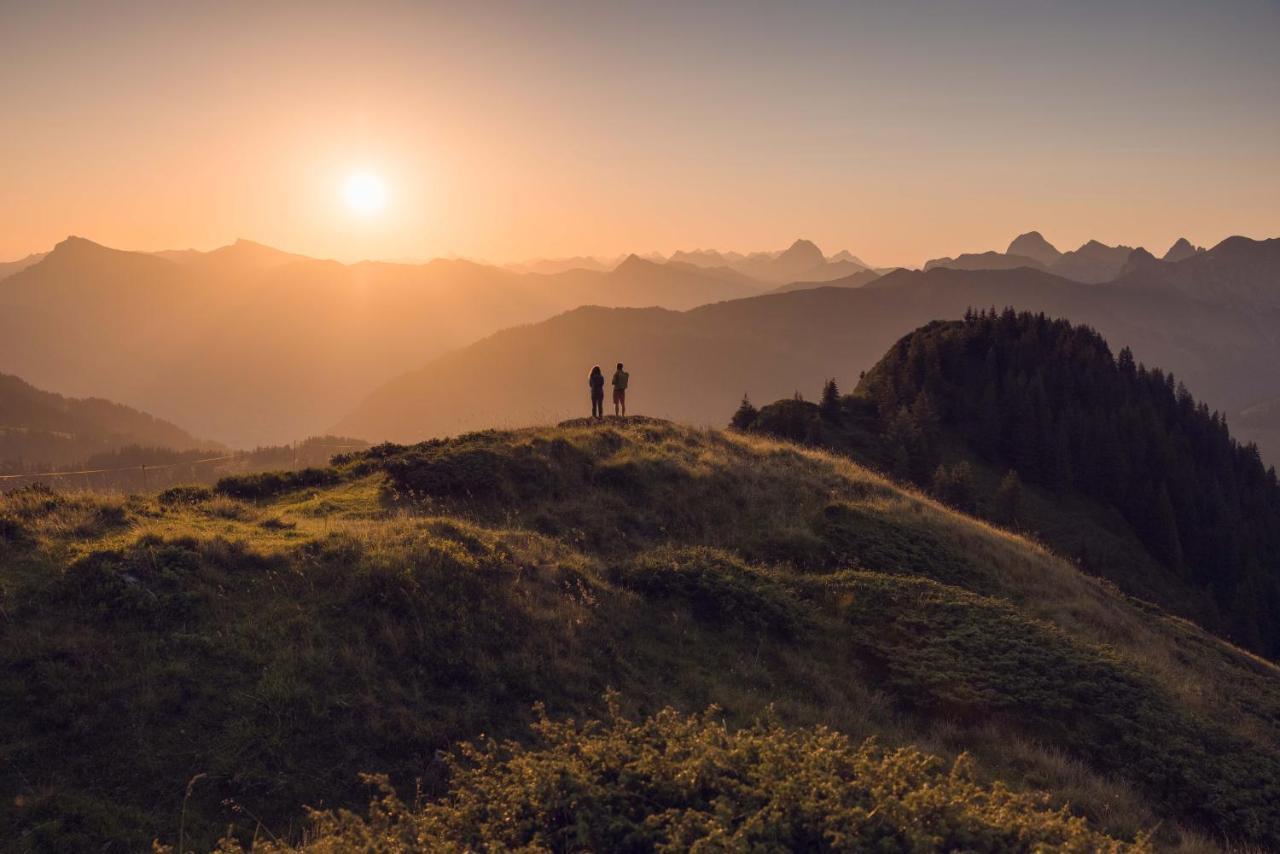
x: 745, y: 416
x: 829, y: 406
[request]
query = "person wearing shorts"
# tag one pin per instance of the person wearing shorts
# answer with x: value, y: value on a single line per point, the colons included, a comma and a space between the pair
x: 620, y: 379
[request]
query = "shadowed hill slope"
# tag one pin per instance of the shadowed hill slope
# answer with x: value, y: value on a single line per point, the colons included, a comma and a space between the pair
x: 314, y: 624
x: 41, y: 428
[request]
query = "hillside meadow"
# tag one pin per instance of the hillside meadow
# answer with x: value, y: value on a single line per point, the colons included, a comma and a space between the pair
x: 600, y: 611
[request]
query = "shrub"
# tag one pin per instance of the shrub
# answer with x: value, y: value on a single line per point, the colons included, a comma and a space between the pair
x: 32, y: 502
x: 672, y: 782
x: 829, y: 406
x: 860, y: 537
x: 13, y: 532
x: 717, y: 586
x: 954, y: 485
x: 478, y: 467
x: 795, y: 419
x: 176, y: 496
x: 745, y: 415
x: 253, y: 487
x: 1006, y: 504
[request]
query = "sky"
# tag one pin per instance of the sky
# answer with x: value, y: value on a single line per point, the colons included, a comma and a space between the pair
x: 504, y: 131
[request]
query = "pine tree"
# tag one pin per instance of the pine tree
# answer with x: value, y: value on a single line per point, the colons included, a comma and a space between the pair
x: 954, y: 485
x: 829, y: 406
x: 745, y: 416
x: 1007, y: 502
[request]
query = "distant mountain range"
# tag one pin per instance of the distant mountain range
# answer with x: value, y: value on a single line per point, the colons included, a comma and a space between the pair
x: 252, y: 345
x: 8, y: 268
x: 802, y: 261
x: 1092, y: 263
x: 41, y: 428
x: 695, y: 365
x: 1238, y: 271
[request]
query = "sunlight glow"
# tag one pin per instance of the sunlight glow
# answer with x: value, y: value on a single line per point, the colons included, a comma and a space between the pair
x: 364, y: 193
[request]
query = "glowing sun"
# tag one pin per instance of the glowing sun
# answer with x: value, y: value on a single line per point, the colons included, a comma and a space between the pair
x: 364, y: 193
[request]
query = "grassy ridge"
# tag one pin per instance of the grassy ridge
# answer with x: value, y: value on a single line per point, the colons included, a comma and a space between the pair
x: 280, y: 641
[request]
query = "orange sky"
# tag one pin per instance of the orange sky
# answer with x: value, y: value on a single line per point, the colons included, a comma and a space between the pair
x: 898, y: 131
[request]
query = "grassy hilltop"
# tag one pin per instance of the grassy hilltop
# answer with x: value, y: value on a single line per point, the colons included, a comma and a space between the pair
x: 270, y: 639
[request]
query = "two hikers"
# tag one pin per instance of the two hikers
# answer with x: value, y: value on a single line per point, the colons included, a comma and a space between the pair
x: 595, y: 381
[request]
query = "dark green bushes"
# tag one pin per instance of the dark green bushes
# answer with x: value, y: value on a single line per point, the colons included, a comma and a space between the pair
x: 476, y: 467
x: 253, y: 487
x: 717, y: 587
x: 854, y: 536
x: 176, y: 496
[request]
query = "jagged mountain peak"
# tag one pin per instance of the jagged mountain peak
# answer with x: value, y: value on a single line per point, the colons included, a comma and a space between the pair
x: 633, y: 263
x: 1181, y: 250
x: 1033, y: 245
x: 802, y: 246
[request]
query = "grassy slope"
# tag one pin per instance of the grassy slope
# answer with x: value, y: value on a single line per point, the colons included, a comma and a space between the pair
x: 1096, y: 536
x: 420, y: 596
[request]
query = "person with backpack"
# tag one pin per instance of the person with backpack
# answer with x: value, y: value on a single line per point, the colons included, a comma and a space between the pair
x: 595, y: 381
x: 620, y: 379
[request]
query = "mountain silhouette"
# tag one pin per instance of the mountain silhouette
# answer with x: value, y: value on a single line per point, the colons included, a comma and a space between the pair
x: 1181, y: 250
x: 855, y: 280
x: 801, y: 261
x: 846, y: 255
x: 985, y: 261
x: 1237, y: 271
x: 548, y: 266
x: 1092, y: 263
x: 1033, y: 245
x: 8, y: 268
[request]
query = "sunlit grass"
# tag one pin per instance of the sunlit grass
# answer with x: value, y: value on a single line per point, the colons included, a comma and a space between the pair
x: 361, y: 624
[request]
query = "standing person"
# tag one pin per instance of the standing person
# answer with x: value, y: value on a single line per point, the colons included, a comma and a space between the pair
x: 620, y: 378
x: 595, y: 380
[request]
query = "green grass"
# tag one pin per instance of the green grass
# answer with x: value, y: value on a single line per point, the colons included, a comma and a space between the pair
x: 416, y: 598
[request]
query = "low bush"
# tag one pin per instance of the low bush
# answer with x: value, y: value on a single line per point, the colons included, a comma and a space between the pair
x: 477, y: 467
x: 253, y: 487
x: 176, y: 496
x: 672, y: 782
x: 717, y: 586
x: 859, y: 536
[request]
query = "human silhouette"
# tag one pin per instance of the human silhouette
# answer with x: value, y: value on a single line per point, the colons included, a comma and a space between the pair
x: 595, y: 380
x: 620, y: 379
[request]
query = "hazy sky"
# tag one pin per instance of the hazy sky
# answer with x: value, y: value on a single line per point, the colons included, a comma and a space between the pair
x: 899, y: 131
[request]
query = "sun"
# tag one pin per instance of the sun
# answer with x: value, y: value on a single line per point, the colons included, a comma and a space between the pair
x: 365, y: 193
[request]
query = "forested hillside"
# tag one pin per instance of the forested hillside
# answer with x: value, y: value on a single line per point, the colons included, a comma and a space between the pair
x: 39, y: 429
x: 1048, y: 401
